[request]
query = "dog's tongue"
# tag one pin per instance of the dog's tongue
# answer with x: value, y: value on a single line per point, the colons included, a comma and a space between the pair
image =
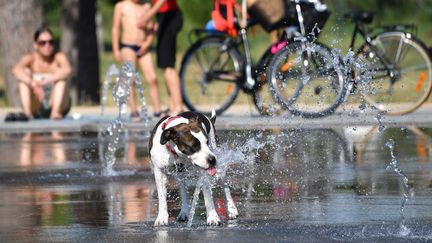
x: 211, y: 171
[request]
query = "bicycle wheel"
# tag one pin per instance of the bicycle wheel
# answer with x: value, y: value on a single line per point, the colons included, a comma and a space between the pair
x: 400, y: 67
x: 209, y: 75
x: 307, y: 79
x: 262, y: 96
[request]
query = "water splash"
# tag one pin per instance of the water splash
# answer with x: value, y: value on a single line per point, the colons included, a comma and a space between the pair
x: 120, y: 93
x: 122, y: 82
x: 121, y: 89
x: 403, y: 229
x: 195, y: 199
x: 144, y: 111
x: 111, y: 75
x: 378, y: 118
x: 114, y: 131
x: 229, y: 154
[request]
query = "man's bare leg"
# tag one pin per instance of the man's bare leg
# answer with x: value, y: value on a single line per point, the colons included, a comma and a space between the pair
x: 129, y: 55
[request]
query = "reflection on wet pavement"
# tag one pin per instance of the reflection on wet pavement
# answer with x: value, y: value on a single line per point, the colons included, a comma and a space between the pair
x: 303, y: 184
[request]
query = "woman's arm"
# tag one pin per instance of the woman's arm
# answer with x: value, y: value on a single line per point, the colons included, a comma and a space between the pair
x: 63, y: 71
x: 145, y: 17
x: 145, y: 45
x: 19, y: 70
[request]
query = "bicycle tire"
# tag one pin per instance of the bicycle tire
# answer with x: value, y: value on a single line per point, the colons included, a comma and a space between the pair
x: 201, y: 91
x: 261, y: 95
x: 308, y: 85
x: 411, y: 83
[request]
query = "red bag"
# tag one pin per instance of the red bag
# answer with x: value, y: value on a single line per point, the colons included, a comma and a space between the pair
x: 223, y: 16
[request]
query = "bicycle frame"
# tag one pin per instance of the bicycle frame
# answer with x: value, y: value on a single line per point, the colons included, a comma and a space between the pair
x: 250, y: 83
x: 389, y: 66
x: 247, y: 80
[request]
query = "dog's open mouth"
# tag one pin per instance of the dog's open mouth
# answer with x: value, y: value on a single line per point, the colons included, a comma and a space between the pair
x: 211, y: 171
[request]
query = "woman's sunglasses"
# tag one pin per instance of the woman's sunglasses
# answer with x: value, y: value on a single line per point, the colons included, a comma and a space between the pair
x: 44, y: 42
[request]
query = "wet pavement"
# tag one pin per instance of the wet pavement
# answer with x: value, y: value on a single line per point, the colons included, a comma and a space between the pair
x: 237, y: 117
x: 300, y: 185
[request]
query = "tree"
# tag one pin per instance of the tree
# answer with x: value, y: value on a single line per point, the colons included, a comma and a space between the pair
x: 18, y: 21
x: 79, y: 42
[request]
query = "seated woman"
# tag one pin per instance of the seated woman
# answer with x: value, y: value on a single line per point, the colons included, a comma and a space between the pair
x: 42, y: 77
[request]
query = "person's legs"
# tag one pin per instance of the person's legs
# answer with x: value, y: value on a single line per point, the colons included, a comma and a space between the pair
x: 173, y: 84
x: 58, y: 99
x: 28, y: 100
x: 170, y: 25
x: 148, y: 69
x: 128, y: 54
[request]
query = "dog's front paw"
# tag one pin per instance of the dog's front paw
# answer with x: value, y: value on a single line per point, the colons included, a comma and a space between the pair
x: 161, y: 220
x: 213, y: 219
x: 182, y: 216
x: 232, y: 212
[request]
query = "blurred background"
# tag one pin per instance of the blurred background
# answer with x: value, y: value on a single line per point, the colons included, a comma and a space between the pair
x: 82, y: 30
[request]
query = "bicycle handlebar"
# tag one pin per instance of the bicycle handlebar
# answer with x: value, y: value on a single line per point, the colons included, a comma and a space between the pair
x: 365, y: 17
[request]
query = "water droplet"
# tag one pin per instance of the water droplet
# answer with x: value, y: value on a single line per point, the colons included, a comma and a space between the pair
x: 390, y: 143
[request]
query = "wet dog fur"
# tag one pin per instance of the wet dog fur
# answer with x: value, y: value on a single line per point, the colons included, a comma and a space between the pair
x: 186, y: 139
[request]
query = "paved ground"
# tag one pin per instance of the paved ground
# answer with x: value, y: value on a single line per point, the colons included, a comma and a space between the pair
x: 89, y: 119
x: 295, y: 185
x: 325, y: 180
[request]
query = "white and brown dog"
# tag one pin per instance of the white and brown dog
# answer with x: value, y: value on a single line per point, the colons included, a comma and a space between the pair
x: 175, y: 142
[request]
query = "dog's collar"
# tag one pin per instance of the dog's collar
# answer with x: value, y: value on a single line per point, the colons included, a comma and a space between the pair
x: 164, y: 125
x: 170, y: 119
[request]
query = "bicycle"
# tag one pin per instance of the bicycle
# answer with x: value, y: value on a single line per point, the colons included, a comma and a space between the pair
x: 213, y: 71
x: 390, y: 71
x: 399, y: 62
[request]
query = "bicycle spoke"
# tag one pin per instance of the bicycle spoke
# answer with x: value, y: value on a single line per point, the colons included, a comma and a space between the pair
x: 209, y: 76
x: 310, y: 86
x: 223, y: 64
x: 413, y: 68
x: 399, y: 50
x: 227, y: 76
x: 200, y: 63
x: 403, y: 81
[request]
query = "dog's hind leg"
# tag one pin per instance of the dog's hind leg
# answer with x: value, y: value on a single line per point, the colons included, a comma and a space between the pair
x: 212, y: 216
x: 231, y: 207
x: 161, y: 184
x: 184, y: 211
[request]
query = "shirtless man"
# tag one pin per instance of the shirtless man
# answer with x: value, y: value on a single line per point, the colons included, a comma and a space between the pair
x: 134, y: 47
x: 42, y: 77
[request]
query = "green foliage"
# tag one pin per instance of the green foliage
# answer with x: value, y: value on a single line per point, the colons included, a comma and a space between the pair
x: 336, y: 33
x: 418, y: 12
x: 196, y: 13
x: 52, y: 13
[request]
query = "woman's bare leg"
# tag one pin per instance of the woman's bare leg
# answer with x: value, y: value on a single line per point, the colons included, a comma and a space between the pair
x: 58, y: 99
x: 27, y: 99
x: 148, y: 69
x: 173, y: 83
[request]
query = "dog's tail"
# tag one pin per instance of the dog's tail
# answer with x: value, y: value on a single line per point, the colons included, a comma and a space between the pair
x: 213, y: 116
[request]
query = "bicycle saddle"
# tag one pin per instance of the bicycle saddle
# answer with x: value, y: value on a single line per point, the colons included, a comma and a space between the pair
x: 359, y: 16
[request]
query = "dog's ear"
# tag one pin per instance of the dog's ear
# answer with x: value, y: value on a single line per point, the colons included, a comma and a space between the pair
x: 167, y: 135
x: 213, y: 117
